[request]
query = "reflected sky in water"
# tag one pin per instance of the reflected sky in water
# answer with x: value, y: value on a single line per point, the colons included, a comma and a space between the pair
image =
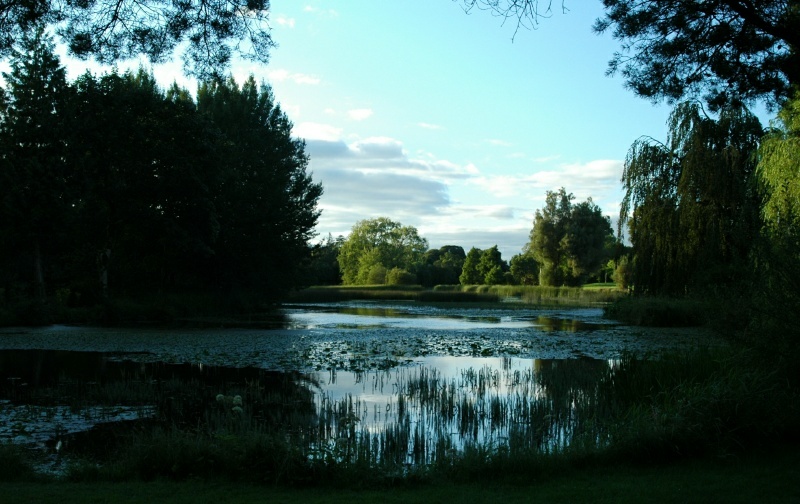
x: 423, y: 317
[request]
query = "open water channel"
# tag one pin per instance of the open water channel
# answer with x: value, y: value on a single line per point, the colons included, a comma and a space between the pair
x: 395, y: 379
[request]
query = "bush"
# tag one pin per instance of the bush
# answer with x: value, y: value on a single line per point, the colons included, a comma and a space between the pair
x: 377, y: 275
x: 397, y: 276
x: 658, y: 311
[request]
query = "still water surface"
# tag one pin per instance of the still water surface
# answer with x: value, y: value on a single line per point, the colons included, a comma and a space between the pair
x: 417, y: 380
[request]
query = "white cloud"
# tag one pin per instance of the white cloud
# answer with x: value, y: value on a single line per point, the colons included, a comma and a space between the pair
x: 583, y: 179
x: 376, y: 176
x: 281, y: 74
x: 359, y: 114
x: 377, y: 154
x: 285, y: 21
x: 378, y: 148
x: 317, y: 131
x: 320, y: 12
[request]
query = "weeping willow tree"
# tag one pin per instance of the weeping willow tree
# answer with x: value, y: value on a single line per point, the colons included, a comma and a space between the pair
x: 779, y: 181
x: 779, y: 173
x: 690, y: 203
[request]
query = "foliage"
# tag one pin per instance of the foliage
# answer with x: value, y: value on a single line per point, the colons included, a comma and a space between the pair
x: 779, y: 173
x: 569, y: 242
x: 268, y: 200
x: 483, y: 267
x: 442, y: 266
x: 691, y: 202
x: 469, y: 272
x: 397, y: 276
x: 491, y: 266
x: 727, y: 50
x: 659, y: 311
x: 36, y: 182
x: 524, y: 269
x: 210, y: 33
x: 138, y: 190
x: 623, y: 274
x: 775, y: 297
x: 376, y: 245
x: 323, y: 267
x: 147, y: 168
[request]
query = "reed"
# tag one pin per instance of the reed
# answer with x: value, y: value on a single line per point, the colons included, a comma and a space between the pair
x: 659, y: 311
x: 522, y: 294
x: 480, y: 423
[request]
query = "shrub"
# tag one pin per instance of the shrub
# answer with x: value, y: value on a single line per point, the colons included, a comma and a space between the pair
x: 397, y: 276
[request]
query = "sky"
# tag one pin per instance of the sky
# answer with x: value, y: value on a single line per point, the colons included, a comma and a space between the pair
x: 452, y: 122
x: 455, y: 123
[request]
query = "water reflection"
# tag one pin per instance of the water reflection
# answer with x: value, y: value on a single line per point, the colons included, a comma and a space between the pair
x: 435, y: 407
x: 424, y: 317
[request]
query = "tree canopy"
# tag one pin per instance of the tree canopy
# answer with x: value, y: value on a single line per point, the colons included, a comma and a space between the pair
x: 724, y: 51
x: 483, y: 267
x: 210, y: 32
x: 692, y: 201
x: 779, y: 172
x: 113, y: 186
x: 442, y: 266
x: 32, y: 133
x: 569, y: 242
x: 376, y: 246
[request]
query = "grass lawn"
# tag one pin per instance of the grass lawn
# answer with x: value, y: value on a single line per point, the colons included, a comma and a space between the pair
x: 763, y: 478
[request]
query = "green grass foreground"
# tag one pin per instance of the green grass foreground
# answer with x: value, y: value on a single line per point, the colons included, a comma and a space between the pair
x: 765, y: 477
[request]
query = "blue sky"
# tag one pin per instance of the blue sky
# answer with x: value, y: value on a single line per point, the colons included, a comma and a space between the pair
x: 435, y: 118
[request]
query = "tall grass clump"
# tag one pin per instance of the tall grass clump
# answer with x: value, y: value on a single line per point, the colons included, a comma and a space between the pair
x: 17, y: 464
x: 659, y: 311
x: 699, y: 403
x: 575, y: 296
x: 525, y: 294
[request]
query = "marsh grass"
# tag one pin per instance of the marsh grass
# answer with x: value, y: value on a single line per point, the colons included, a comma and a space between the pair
x: 573, y: 296
x: 660, y: 311
x: 482, y: 424
x: 489, y: 294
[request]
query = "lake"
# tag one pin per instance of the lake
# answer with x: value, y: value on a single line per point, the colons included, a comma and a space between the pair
x: 356, y: 379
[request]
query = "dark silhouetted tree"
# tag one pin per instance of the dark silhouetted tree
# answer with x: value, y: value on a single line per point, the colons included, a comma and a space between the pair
x: 267, y: 201
x: 442, y: 266
x: 36, y: 181
x: 525, y: 269
x: 692, y: 202
x: 723, y: 50
x: 209, y: 32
